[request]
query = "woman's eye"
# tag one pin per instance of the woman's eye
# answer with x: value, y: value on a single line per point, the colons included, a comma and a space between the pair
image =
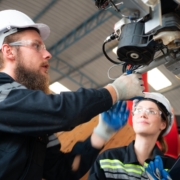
x: 139, y: 110
x: 152, y: 112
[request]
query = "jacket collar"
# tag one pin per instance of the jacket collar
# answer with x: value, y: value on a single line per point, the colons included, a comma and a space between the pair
x: 130, y: 156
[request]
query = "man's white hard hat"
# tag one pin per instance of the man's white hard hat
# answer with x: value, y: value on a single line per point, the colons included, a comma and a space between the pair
x: 11, y: 20
x: 159, y: 98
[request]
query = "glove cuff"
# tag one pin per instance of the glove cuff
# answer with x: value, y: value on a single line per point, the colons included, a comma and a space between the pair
x: 103, y: 130
x: 117, y: 93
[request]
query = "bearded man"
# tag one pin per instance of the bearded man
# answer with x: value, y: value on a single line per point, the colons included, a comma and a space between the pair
x: 30, y: 114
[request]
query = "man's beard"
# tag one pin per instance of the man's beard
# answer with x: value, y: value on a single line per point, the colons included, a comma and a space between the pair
x: 31, y: 79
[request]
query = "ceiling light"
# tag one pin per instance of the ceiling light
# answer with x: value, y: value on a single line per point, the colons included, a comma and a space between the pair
x: 57, y: 88
x: 157, y: 79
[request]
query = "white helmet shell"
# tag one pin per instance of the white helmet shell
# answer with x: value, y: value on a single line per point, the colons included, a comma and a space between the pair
x: 163, y: 100
x: 10, y: 20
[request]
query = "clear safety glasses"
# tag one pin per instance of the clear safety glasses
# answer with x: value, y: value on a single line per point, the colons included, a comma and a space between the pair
x: 30, y: 43
x: 139, y: 110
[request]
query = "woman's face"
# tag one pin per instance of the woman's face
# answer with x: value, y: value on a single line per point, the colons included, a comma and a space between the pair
x: 147, y: 119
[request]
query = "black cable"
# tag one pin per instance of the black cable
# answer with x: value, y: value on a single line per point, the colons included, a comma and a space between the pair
x: 124, y: 68
x: 162, y: 52
x: 114, y: 5
x: 103, y: 49
x: 132, y: 68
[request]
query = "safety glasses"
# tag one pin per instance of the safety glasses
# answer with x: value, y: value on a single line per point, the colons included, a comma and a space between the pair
x: 31, y: 44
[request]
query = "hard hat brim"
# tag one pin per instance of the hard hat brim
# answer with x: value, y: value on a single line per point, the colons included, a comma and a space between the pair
x: 44, y: 30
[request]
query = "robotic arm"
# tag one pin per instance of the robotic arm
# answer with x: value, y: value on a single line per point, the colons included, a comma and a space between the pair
x: 103, y: 4
x: 146, y: 27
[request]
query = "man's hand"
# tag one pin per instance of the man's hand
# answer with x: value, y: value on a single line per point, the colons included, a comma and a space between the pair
x: 155, y: 170
x: 112, y: 120
x: 128, y: 86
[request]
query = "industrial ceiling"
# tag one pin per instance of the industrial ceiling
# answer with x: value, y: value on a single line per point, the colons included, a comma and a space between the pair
x: 78, y: 30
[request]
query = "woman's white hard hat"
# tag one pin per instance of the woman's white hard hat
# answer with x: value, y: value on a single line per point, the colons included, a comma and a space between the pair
x: 158, y: 97
x: 11, y: 20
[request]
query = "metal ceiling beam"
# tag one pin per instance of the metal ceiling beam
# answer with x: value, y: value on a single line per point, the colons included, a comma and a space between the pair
x: 86, y: 27
x: 79, y: 78
x: 80, y: 31
x: 44, y: 10
x: 75, y: 35
x: 72, y: 70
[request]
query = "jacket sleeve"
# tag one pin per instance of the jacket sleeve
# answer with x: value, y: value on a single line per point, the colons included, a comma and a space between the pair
x: 35, y: 113
x: 96, y: 172
x: 58, y: 165
x: 88, y: 155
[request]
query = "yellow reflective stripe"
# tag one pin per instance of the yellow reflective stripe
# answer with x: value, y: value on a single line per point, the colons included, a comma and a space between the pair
x: 127, y: 170
x: 117, y: 161
x: 121, y: 166
x: 145, y: 164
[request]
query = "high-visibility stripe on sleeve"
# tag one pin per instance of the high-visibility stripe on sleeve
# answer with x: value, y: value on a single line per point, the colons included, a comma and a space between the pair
x: 5, y: 89
x: 53, y: 141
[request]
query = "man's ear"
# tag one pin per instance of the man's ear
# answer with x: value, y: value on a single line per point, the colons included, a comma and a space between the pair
x: 8, y: 52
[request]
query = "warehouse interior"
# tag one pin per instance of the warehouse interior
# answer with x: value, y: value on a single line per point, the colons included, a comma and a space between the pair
x: 78, y: 30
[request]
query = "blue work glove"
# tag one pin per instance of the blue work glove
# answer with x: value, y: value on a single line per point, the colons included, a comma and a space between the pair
x: 112, y: 120
x: 155, y: 170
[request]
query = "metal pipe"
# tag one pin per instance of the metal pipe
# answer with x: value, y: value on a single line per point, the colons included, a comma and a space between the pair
x: 155, y: 63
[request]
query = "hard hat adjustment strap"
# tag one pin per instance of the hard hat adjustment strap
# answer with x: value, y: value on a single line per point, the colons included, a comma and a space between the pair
x: 3, y: 34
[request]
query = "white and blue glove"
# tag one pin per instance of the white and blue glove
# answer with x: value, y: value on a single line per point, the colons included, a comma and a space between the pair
x: 155, y: 170
x: 112, y: 120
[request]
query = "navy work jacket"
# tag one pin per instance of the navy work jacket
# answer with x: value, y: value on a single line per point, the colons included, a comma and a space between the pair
x: 28, y: 118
